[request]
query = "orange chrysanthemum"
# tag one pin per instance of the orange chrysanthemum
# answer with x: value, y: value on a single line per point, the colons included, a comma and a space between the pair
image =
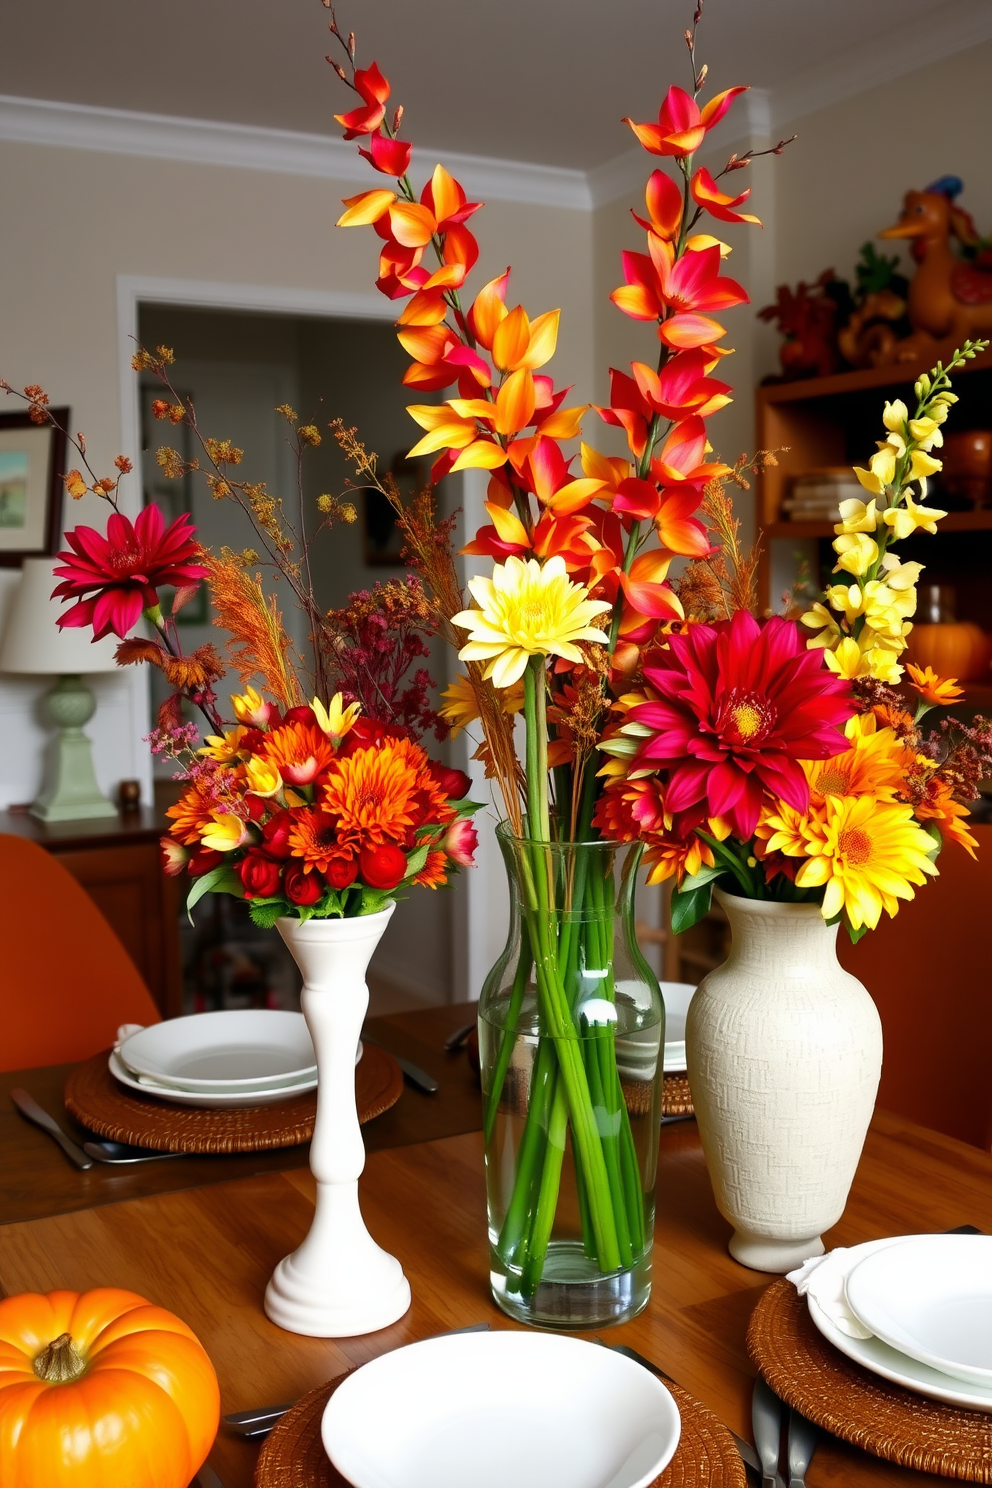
x: 433, y: 873
x: 937, y: 804
x: 380, y: 795
x: 313, y: 838
x: 300, y: 751
x: 193, y: 812
x: 874, y: 765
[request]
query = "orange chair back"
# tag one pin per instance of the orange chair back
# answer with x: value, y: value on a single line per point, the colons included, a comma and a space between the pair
x: 66, y: 982
x: 930, y: 973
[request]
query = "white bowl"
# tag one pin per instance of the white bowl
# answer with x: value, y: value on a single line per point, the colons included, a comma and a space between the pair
x: 930, y: 1296
x: 501, y: 1410
x: 246, y: 1048
x: 873, y: 1354
x: 228, y: 1100
x: 677, y: 996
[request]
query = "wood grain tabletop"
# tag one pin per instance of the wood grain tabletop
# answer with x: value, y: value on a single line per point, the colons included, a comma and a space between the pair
x: 206, y: 1253
x: 36, y: 1179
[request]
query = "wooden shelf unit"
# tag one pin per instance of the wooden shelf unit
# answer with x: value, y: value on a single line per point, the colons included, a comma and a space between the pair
x: 837, y: 421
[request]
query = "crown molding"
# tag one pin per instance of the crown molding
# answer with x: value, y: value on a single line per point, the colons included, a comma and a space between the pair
x: 285, y: 152
x: 951, y: 29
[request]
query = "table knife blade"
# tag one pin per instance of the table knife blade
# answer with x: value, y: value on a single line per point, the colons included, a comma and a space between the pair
x: 29, y: 1107
x: 417, y: 1076
x: 207, y: 1478
x: 766, y: 1423
x: 458, y: 1039
x: 745, y: 1451
x: 803, y: 1437
x: 256, y: 1423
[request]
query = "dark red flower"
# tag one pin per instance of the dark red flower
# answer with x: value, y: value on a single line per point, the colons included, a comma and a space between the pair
x: 383, y: 867
x: 341, y: 872
x: 366, y: 732
x: 302, y: 714
x: 275, y: 834
x: 455, y: 783
x: 202, y: 860
x: 259, y: 875
x: 740, y: 706
x: 114, y: 577
x: 301, y: 887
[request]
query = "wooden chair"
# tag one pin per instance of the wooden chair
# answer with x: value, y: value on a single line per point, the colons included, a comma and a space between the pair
x: 66, y: 982
x: 930, y: 973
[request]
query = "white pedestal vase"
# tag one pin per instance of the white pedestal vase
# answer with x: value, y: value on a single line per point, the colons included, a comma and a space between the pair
x: 784, y: 1052
x: 339, y: 1282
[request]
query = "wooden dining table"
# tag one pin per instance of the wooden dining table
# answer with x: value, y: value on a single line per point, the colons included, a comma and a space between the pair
x: 201, y: 1236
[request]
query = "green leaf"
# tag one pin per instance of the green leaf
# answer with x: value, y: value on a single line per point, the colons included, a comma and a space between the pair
x: 938, y: 841
x: 688, y: 908
x: 705, y: 875
x: 415, y: 861
x: 220, y: 880
x: 374, y: 900
x: 265, y: 912
x: 857, y: 934
x: 467, y: 807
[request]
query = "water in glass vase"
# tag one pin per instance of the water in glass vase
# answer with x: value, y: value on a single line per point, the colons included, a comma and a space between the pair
x: 571, y: 1029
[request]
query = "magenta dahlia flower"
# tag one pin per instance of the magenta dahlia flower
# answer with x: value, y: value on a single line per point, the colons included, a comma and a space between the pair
x: 115, y: 577
x: 740, y: 705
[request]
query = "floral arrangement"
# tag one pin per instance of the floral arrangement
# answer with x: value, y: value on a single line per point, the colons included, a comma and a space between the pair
x: 772, y: 756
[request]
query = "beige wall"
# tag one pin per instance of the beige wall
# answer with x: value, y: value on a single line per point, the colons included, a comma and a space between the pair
x: 74, y: 221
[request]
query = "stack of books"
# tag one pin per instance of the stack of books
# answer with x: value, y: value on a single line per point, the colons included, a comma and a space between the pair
x: 815, y: 496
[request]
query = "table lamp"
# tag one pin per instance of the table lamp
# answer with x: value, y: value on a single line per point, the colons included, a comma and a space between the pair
x: 33, y: 644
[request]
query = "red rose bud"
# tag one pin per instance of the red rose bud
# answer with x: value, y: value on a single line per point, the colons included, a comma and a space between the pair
x: 259, y: 875
x: 256, y: 807
x: 460, y: 843
x: 341, y: 872
x: 365, y: 732
x: 203, y: 860
x: 300, y: 887
x: 383, y: 867
x: 275, y: 834
x: 304, y: 714
x: 455, y: 783
x: 174, y: 856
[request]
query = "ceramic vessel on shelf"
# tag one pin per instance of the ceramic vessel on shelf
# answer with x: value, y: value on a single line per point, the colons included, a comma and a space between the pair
x: 339, y: 1282
x: 571, y: 1033
x: 784, y: 1053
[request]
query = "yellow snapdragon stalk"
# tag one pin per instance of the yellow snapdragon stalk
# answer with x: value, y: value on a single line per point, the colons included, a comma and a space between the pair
x: 864, y: 625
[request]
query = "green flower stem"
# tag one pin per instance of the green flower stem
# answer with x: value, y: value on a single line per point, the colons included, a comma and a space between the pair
x: 524, y: 963
x: 544, y: 1081
x: 547, y: 1195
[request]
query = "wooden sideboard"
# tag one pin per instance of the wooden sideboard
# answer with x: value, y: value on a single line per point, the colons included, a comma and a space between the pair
x: 117, y: 861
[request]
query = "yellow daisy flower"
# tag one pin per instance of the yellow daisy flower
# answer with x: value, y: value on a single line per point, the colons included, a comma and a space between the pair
x: 875, y: 764
x: 459, y: 706
x: 865, y: 854
x: 527, y: 609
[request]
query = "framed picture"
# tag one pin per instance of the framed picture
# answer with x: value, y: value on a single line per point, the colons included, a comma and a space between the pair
x: 32, y: 464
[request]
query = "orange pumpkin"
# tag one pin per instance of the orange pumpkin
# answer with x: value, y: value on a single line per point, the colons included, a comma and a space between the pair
x: 955, y: 649
x: 101, y: 1389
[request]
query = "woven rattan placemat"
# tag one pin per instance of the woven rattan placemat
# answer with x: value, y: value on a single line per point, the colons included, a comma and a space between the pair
x: 293, y: 1455
x: 850, y: 1402
x: 96, y: 1099
x: 676, y: 1097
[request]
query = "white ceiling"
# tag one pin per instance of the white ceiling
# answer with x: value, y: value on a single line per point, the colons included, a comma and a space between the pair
x: 544, y: 81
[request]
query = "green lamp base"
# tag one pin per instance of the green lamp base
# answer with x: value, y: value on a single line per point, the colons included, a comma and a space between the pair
x: 71, y: 792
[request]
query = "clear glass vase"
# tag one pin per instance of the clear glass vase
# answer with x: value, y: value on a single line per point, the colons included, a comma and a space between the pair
x: 571, y: 1035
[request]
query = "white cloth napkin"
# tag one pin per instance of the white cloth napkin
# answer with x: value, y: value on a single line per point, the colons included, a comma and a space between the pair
x: 124, y: 1032
x: 823, y: 1278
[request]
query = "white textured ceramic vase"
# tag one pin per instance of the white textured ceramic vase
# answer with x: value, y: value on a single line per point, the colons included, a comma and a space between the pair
x: 784, y: 1052
x: 339, y: 1282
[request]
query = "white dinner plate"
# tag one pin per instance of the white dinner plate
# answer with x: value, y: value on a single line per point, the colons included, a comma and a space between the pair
x: 245, y: 1048
x: 230, y: 1100
x: 677, y: 997
x: 930, y: 1296
x: 533, y: 1410
x: 880, y: 1358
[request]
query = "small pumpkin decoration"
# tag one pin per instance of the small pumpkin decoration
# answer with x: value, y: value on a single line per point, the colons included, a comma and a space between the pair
x: 101, y: 1388
x: 954, y: 649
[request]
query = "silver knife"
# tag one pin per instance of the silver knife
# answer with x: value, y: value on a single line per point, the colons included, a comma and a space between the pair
x: 766, y: 1423
x: 207, y: 1478
x: 745, y: 1451
x: 257, y: 1423
x: 459, y: 1038
x: 803, y: 1437
x: 29, y: 1107
x: 413, y: 1072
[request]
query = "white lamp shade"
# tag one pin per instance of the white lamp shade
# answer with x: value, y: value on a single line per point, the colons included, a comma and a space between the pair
x: 32, y: 641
